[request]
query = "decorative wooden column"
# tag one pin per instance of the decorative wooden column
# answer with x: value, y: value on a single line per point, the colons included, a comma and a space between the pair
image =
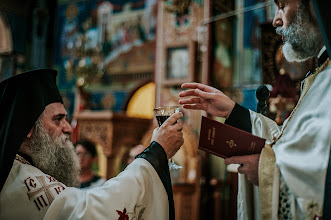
x: 112, y: 131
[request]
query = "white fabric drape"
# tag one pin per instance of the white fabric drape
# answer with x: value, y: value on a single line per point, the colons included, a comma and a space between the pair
x: 31, y: 194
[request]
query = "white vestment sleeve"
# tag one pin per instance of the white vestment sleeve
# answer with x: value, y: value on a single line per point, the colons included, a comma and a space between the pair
x: 136, y: 191
x: 264, y: 127
x: 248, y: 196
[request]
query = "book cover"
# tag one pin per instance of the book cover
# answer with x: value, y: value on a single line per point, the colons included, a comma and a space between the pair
x: 226, y: 141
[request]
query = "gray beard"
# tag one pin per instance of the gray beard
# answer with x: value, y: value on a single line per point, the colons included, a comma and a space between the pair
x: 303, y: 39
x: 53, y: 156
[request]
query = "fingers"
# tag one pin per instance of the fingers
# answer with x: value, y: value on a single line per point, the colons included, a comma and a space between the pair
x: 199, y: 93
x: 194, y: 106
x: 241, y: 169
x: 205, y: 95
x: 173, y: 118
x: 179, y: 126
x: 234, y: 160
x: 190, y: 85
x: 242, y: 159
x: 189, y: 101
x: 194, y: 85
x: 190, y: 92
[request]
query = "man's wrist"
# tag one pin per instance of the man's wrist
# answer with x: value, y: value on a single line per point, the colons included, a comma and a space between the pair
x: 157, y: 157
x: 240, y: 118
x: 155, y: 154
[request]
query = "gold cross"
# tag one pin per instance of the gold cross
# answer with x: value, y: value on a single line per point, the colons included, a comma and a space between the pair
x: 231, y: 143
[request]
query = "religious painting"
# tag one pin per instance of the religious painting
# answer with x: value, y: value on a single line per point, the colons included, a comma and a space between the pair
x: 181, y: 17
x: 68, y: 40
x: 250, y: 70
x: 94, y: 33
x: 222, y: 47
x: 179, y: 63
x: 99, y: 42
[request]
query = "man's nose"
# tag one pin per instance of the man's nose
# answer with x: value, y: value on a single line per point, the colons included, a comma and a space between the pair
x: 67, y: 127
x: 277, y: 21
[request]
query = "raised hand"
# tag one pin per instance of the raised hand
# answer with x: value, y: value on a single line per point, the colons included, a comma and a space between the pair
x: 206, y: 98
x: 170, y: 135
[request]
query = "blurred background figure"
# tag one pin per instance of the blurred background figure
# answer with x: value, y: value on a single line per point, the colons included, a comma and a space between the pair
x: 134, y: 152
x: 87, y: 156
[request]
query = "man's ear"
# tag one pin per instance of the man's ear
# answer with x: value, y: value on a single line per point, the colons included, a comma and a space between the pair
x: 30, y: 133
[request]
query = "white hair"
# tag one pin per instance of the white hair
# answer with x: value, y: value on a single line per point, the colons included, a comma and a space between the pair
x: 303, y: 39
x: 54, y: 156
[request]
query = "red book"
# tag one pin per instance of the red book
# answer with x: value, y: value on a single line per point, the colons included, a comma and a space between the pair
x: 226, y: 141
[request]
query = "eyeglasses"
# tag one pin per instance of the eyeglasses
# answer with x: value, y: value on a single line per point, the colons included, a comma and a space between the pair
x: 83, y: 154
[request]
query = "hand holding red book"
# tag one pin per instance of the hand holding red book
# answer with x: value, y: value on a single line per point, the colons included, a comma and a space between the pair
x: 226, y: 141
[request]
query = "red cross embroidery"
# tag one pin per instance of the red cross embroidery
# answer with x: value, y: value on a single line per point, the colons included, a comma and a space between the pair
x: 40, y: 201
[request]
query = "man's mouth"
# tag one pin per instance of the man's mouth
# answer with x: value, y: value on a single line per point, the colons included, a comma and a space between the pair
x: 283, y: 38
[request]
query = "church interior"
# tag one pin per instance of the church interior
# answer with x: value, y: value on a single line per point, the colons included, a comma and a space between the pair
x: 117, y: 60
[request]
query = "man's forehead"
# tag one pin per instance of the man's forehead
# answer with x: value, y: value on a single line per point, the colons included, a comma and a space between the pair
x: 80, y: 148
x: 285, y: 1
x: 55, y: 109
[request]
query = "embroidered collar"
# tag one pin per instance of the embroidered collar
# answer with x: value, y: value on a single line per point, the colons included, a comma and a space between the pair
x: 323, y: 58
x: 305, y: 88
x: 321, y: 67
x: 21, y: 159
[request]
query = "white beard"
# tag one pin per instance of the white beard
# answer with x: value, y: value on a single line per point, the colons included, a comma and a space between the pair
x: 54, y: 156
x: 303, y: 39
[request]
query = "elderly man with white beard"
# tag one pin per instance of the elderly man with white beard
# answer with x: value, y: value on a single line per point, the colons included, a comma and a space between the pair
x: 291, y: 169
x: 39, y: 168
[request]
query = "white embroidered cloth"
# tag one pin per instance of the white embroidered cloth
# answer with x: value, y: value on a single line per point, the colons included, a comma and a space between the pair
x: 30, y: 194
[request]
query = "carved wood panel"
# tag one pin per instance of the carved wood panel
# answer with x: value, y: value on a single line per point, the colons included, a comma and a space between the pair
x: 98, y: 131
x: 112, y: 131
